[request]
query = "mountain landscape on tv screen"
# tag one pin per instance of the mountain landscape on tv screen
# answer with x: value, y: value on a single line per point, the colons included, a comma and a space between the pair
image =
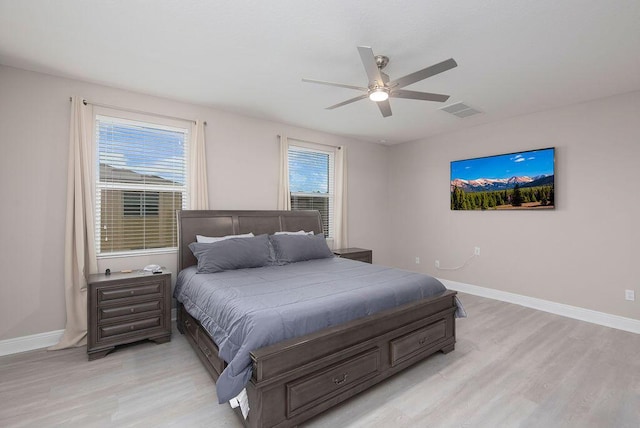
x: 493, y: 184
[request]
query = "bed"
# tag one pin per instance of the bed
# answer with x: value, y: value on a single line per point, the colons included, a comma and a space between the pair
x: 297, y: 378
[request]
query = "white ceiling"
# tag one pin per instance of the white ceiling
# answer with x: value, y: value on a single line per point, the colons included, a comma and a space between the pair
x: 514, y: 56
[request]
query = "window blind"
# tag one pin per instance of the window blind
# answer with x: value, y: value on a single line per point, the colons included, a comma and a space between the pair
x: 140, y: 183
x: 311, y: 182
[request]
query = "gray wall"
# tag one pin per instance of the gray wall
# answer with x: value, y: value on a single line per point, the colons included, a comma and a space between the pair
x: 242, y: 155
x: 584, y: 253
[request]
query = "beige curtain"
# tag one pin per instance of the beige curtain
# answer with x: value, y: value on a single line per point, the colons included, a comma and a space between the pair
x: 284, y: 198
x: 79, y: 246
x: 341, y: 239
x: 197, y: 169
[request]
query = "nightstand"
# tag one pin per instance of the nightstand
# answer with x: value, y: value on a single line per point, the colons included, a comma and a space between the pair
x: 125, y: 308
x: 359, y: 254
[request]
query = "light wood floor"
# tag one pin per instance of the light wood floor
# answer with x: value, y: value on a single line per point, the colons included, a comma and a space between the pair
x: 512, y: 367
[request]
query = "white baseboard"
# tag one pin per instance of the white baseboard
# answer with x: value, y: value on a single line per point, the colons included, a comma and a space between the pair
x: 582, y: 314
x: 29, y: 343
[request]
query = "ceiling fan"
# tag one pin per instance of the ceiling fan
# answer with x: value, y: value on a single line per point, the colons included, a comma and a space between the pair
x: 380, y: 88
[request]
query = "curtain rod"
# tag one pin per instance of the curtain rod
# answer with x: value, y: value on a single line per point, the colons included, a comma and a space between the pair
x: 313, y: 142
x: 85, y: 102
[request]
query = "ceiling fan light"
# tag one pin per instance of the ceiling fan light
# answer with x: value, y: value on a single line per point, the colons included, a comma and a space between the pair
x: 379, y: 94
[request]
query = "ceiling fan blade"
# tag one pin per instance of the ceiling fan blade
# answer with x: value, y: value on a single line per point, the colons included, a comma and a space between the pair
x: 340, y: 85
x: 385, y: 108
x: 344, y: 103
x: 414, y: 95
x: 424, y: 73
x: 370, y: 65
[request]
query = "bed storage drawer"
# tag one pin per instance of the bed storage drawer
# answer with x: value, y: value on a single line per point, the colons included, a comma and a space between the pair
x: 210, y: 350
x: 316, y: 388
x: 199, y: 339
x: 191, y: 326
x: 416, y: 342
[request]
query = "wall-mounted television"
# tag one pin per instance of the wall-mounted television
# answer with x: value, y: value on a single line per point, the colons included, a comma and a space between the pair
x: 513, y: 181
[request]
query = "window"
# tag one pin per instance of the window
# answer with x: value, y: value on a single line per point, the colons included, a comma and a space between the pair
x: 140, y: 183
x: 311, y: 179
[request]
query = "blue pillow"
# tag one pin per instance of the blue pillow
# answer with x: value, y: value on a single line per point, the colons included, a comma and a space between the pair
x: 297, y: 248
x: 230, y: 254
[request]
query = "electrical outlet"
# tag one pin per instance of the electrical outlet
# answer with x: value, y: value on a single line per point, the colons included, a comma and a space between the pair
x: 417, y: 260
x: 630, y: 295
x: 438, y: 264
x: 476, y: 251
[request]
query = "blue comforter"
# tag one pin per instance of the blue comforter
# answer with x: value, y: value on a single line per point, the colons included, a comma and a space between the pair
x: 247, y: 309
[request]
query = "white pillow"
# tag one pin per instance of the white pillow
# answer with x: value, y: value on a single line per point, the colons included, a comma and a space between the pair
x: 300, y: 232
x: 210, y: 239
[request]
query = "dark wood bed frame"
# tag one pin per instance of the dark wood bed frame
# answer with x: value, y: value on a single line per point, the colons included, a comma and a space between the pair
x: 299, y: 378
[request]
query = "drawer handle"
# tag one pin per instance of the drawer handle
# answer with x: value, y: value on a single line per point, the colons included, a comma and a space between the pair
x: 340, y: 380
x: 132, y: 310
x: 187, y: 323
x: 133, y: 292
x: 206, y: 352
x: 422, y: 341
x: 131, y: 327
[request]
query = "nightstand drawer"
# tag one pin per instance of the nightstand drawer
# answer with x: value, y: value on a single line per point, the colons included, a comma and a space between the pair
x: 106, y: 294
x: 119, y: 311
x: 128, y: 327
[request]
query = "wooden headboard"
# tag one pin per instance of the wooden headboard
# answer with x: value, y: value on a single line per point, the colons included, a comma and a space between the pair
x: 222, y: 223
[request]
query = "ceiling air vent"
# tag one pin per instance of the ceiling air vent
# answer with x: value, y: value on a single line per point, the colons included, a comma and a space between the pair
x: 460, y: 109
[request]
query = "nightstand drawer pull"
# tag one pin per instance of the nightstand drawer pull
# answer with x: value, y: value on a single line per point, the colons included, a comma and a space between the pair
x: 118, y: 311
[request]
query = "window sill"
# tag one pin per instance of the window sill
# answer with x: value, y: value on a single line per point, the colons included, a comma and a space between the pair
x: 123, y: 254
